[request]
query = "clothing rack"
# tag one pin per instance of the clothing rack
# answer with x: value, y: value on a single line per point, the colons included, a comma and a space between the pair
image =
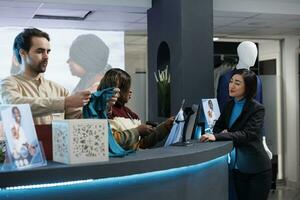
x: 220, y: 59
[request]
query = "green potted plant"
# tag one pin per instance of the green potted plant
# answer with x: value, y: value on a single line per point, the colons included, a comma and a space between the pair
x: 163, y: 80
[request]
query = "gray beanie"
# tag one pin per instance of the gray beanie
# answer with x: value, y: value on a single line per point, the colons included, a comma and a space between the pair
x: 90, y: 52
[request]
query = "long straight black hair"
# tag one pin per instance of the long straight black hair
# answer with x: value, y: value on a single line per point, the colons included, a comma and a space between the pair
x: 250, y: 81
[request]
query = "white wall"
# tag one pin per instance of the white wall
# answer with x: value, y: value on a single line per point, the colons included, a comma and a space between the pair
x: 136, y: 62
x: 290, y: 97
x: 272, y: 94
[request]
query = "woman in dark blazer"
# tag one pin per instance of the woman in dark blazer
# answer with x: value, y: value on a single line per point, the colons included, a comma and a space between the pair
x: 241, y: 121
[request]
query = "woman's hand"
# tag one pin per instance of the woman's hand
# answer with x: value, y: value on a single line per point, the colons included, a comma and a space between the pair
x: 208, y: 138
x: 78, y: 99
x: 114, y: 98
x: 112, y: 101
x: 169, y: 122
x: 144, y: 130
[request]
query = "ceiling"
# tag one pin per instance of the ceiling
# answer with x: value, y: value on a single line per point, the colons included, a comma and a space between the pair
x: 256, y: 18
x: 241, y: 18
x: 106, y: 15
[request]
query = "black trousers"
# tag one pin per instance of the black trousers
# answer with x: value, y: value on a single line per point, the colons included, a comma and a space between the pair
x: 252, y: 186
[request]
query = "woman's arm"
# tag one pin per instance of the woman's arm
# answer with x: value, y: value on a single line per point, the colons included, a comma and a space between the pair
x: 158, y: 134
x: 127, y: 139
x: 249, y: 131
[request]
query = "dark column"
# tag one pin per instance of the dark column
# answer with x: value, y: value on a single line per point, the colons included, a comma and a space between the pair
x: 186, y: 26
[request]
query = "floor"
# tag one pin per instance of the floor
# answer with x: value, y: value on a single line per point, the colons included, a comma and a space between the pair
x: 285, y: 193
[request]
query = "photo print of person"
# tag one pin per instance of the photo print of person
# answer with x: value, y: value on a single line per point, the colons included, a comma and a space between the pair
x: 211, y: 111
x: 22, y: 143
x: 88, y: 60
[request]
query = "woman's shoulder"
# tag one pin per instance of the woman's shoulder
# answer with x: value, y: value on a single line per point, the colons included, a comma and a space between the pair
x: 252, y: 104
x: 256, y: 103
x: 228, y: 104
x: 133, y: 114
x: 123, y: 111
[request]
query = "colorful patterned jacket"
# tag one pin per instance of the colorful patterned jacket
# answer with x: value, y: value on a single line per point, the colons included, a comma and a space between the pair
x: 124, y: 123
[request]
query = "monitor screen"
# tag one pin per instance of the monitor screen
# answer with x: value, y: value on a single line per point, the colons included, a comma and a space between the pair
x: 192, y: 126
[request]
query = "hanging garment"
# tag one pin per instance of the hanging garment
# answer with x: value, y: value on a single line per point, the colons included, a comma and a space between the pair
x: 218, y: 72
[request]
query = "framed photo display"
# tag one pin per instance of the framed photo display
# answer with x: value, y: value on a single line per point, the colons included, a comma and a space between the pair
x: 211, y: 111
x: 23, y: 148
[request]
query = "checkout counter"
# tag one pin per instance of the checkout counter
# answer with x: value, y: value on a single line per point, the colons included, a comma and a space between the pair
x: 199, y: 171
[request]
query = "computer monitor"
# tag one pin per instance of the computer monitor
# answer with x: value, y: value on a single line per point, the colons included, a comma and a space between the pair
x: 195, y: 124
x: 187, y: 126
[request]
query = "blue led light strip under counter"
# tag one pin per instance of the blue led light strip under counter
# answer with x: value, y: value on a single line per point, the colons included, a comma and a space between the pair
x: 106, y: 182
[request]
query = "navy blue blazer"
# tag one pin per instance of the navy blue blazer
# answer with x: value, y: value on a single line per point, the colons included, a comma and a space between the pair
x: 246, y: 134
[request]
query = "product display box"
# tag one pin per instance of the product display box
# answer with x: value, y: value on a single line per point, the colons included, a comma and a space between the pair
x: 80, y: 140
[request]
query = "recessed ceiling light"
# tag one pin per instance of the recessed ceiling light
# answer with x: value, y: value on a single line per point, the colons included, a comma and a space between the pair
x: 63, y: 14
x: 256, y: 23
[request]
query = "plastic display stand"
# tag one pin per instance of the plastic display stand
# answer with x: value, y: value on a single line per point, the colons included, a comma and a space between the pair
x: 37, y: 160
